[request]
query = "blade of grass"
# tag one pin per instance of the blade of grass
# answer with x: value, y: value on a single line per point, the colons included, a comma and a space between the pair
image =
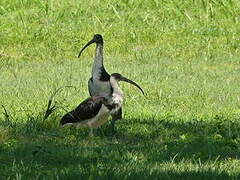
x: 50, y: 108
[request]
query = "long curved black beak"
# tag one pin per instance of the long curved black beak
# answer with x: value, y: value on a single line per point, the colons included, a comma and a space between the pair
x: 89, y: 43
x: 131, y: 82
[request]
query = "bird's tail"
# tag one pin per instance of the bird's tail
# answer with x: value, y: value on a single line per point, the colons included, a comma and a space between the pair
x: 68, y: 119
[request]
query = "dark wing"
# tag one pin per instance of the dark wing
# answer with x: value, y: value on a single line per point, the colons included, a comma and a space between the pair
x: 86, y: 110
x: 89, y: 108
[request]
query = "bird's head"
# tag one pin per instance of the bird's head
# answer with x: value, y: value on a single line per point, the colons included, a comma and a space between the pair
x: 119, y: 77
x: 97, y: 38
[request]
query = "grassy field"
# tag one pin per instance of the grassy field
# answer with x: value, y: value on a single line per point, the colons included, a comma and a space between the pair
x: 184, y: 54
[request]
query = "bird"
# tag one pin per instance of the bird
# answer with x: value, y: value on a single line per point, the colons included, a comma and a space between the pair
x: 99, y: 83
x: 95, y: 110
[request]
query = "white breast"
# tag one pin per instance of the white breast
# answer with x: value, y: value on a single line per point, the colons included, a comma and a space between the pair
x: 97, y: 87
x: 117, y: 100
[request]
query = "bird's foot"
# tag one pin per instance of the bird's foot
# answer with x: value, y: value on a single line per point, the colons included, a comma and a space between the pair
x: 91, y: 133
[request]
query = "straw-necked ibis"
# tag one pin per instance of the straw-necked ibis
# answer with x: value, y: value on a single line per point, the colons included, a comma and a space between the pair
x: 95, y: 110
x: 99, y: 82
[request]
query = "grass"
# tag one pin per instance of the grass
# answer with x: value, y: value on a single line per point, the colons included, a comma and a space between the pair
x: 185, y: 55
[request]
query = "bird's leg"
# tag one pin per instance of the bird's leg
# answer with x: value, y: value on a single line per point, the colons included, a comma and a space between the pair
x: 116, y: 116
x: 113, y: 126
x: 91, y: 132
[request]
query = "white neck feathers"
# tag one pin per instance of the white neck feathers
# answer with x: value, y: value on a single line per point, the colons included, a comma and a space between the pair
x: 115, y: 86
x: 98, y: 62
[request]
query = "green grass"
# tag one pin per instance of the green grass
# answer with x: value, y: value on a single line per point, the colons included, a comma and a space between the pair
x: 184, y: 54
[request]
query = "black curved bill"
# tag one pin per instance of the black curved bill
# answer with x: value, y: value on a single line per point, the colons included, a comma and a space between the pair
x: 132, y: 82
x: 89, y: 43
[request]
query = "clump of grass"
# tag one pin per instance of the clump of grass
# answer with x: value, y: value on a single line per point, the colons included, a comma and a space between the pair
x: 5, y: 134
x: 50, y: 107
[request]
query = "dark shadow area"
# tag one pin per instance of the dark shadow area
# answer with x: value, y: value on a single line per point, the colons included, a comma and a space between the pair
x: 217, y: 139
x: 40, y: 148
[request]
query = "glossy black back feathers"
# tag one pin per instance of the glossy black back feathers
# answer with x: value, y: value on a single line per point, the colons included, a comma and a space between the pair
x: 86, y: 110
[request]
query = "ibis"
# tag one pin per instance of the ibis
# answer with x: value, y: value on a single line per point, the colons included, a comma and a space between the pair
x: 95, y: 110
x: 99, y: 83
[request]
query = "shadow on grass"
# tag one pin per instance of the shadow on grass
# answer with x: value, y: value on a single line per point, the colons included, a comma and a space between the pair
x: 143, y: 148
x: 217, y: 139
